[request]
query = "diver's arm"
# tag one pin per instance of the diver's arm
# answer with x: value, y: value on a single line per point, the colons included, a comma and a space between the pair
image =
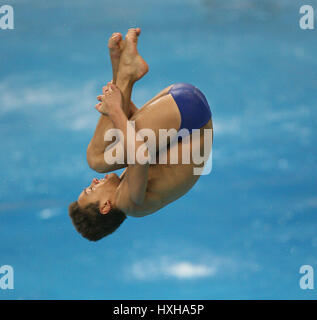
x: 137, y: 173
x: 96, y: 151
x: 138, y: 170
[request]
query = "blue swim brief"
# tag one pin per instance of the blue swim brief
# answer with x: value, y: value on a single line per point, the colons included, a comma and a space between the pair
x: 193, y: 106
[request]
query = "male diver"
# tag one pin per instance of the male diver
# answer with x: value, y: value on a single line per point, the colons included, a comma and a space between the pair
x: 145, y: 186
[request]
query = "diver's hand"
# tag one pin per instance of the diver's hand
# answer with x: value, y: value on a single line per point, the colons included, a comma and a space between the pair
x: 110, y: 101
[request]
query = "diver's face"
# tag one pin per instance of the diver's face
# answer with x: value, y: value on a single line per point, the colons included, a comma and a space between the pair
x: 100, y: 190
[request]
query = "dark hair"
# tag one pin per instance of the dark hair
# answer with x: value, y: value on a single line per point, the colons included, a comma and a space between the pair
x: 93, y: 225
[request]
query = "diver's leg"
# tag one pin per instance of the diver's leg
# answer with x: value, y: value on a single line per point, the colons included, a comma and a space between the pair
x: 131, y: 68
x: 161, y: 112
x: 97, y: 144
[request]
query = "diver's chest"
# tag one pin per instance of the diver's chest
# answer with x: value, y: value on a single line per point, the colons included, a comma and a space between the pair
x: 168, y: 178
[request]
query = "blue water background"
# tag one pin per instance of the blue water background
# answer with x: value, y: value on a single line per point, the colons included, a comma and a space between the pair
x: 243, y: 231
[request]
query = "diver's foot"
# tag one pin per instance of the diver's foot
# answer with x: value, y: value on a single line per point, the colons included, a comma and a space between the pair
x: 115, y: 45
x: 131, y: 64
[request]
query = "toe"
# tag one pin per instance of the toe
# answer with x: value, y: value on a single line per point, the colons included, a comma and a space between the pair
x: 117, y: 37
x: 132, y: 34
x: 114, y: 40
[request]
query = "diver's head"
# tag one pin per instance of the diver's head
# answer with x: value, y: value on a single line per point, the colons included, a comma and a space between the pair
x: 95, y: 214
x: 102, y: 191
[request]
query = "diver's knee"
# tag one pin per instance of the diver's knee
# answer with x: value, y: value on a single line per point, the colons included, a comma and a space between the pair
x: 93, y: 160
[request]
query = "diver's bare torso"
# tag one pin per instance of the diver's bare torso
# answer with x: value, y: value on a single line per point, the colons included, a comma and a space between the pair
x: 166, y: 182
